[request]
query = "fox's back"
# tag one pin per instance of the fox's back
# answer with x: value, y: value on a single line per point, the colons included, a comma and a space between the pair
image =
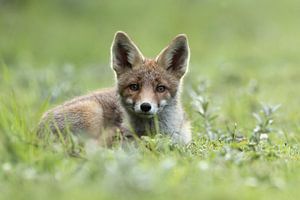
x: 91, y: 113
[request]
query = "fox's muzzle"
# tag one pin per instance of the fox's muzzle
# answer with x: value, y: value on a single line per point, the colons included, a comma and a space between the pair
x: 145, y: 107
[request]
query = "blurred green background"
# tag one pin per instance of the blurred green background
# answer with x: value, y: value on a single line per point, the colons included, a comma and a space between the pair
x: 81, y: 31
x: 64, y: 46
x: 246, y: 51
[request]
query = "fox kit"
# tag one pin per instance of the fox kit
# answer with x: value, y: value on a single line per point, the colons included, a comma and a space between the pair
x: 145, y: 100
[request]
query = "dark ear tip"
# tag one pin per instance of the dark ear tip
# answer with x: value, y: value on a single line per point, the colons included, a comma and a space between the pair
x: 121, y: 35
x: 181, y: 37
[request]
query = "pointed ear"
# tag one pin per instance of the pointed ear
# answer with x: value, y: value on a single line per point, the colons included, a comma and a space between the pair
x: 124, y: 53
x: 175, y: 57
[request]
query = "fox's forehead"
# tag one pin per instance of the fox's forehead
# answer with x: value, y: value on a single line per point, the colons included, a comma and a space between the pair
x: 145, y: 75
x: 148, y: 73
x: 150, y: 63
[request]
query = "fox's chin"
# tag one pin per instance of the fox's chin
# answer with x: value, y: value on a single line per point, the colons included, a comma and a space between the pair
x: 140, y: 114
x: 144, y: 115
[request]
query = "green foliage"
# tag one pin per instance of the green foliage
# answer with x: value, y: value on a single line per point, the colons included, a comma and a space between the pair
x: 246, y: 52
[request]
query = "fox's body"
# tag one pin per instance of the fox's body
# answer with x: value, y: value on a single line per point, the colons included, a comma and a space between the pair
x: 146, y: 99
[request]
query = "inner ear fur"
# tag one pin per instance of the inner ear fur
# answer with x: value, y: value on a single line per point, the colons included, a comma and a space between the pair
x: 124, y: 53
x: 175, y: 57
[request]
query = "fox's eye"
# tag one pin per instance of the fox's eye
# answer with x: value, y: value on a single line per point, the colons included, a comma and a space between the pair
x: 160, y: 88
x: 134, y: 87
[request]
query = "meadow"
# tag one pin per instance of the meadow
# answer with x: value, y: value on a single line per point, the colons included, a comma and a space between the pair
x: 240, y: 94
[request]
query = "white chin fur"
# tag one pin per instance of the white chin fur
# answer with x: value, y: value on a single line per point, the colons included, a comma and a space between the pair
x: 162, y: 103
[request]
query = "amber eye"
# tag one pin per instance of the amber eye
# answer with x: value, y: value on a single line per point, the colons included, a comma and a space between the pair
x: 134, y: 87
x: 160, y: 88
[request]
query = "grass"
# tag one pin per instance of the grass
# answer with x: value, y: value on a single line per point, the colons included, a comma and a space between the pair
x: 244, y: 62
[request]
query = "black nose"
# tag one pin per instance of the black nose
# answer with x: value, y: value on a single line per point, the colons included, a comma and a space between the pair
x: 145, y: 107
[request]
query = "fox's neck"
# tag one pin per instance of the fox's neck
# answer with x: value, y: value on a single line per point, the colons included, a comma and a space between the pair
x: 165, y: 122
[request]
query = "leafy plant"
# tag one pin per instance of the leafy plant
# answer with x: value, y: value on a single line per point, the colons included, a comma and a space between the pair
x: 264, y: 120
x: 202, y: 105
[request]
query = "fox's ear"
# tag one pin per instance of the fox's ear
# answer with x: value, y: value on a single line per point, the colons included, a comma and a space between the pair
x: 124, y: 53
x: 175, y: 57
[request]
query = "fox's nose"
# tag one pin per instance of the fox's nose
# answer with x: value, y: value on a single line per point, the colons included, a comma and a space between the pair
x: 145, y: 107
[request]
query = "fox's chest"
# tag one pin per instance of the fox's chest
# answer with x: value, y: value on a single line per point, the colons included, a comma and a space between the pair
x: 160, y: 124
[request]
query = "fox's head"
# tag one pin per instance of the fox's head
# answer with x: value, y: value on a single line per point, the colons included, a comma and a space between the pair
x: 147, y: 86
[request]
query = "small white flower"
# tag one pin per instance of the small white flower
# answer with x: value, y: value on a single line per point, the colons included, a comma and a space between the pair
x: 29, y: 173
x: 6, y: 167
x: 203, y: 165
x: 168, y: 164
x: 264, y: 136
